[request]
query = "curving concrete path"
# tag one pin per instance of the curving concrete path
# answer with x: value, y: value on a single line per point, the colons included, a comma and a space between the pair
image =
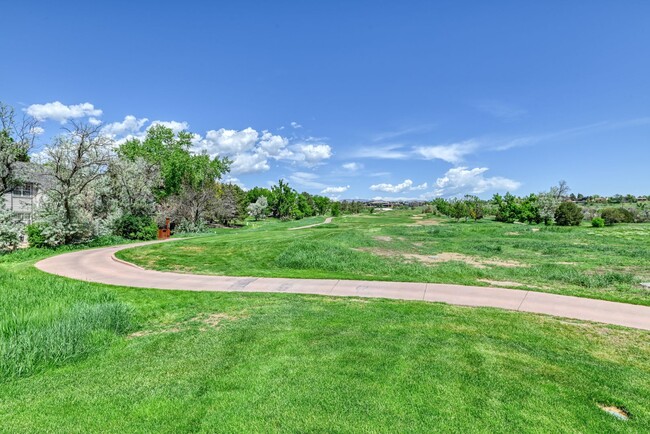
x: 101, y: 265
x: 327, y: 220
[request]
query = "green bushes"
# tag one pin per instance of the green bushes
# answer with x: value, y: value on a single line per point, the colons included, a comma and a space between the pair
x: 135, y: 228
x: 598, y: 222
x: 35, y: 236
x: 616, y: 215
x: 568, y: 214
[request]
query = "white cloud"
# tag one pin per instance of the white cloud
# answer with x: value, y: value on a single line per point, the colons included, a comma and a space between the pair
x: 175, y: 126
x: 423, y: 186
x: 335, y: 190
x: 129, y: 126
x: 312, y: 154
x: 94, y: 121
x: 352, y: 167
x: 229, y: 142
x: 453, y: 153
x: 272, y: 144
x: 295, y: 125
x: 60, y: 112
x: 249, y: 163
x: 232, y: 180
x: 388, y: 152
x: 306, y: 179
x: 461, y: 180
x: 37, y: 131
x: 390, y: 188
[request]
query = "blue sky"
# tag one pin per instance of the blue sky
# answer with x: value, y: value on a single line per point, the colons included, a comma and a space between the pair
x: 357, y: 99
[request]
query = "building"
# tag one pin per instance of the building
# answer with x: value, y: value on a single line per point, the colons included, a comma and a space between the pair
x: 23, y: 200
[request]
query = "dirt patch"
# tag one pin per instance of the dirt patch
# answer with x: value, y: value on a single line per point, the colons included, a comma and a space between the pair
x: 206, y: 321
x: 617, y: 412
x: 499, y: 283
x: 534, y: 230
x: 428, y: 222
x: 382, y: 238
x: 417, y: 217
x: 443, y: 257
x: 418, y: 244
x: 566, y: 263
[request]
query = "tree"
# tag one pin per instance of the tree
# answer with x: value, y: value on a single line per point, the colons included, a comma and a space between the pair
x: 335, y: 208
x: 11, y: 229
x: 282, y: 200
x: 257, y: 209
x: 568, y: 214
x: 230, y: 204
x: 16, y: 140
x: 441, y: 205
x: 562, y: 189
x: 133, y: 183
x: 547, y: 203
x: 507, y: 208
x: 529, y: 210
x: 254, y: 193
x: 74, y: 167
x: 458, y: 209
x: 474, y: 207
x: 322, y: 204
x: 178, y: 166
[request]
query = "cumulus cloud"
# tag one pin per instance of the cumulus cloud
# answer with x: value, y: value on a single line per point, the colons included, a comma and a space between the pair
x: 312, y: 154
x: 249, y: 163
x: 129, y: 126
x: 295, y: 125
x: 37, y: 131
x: 335, y: 190
x: 175, y: 126
x: 453, y: 153
x: 390, y: 188
x: 94, y: 121
x: 461, y: 180
x: 229, y: 142
x: 60, y: 112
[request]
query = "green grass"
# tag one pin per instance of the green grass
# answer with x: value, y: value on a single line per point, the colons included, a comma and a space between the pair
x: 114, y: 359
x: 604, y: 263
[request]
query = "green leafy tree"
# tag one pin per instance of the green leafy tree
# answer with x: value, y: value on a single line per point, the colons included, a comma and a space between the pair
x: 283, y: 200
x: 441, y: 205
x: 257, y: 209
x: 508, y: 210
x: 321, y: 204
x: 458, y: 209
x: 254, y: 193
x: 335, y: 209
x: 178, y: 166
x: 568, y: 214
x: 529, y: 210
x: 474, y: 207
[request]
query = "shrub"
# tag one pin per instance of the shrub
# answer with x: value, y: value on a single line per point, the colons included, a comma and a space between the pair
x: 135, y: 227
x: 598, y: 222
x: 568, y: 214
x: 616, y: 215
x: 35, y: 236
x: 10, y: 230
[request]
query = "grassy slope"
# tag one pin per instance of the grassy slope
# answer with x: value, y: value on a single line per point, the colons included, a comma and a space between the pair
x: 605, y: 263
x: 282, y: 362
x: 304, y: 363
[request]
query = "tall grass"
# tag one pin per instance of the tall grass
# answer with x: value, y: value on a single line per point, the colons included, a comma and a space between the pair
x: 49, y: 321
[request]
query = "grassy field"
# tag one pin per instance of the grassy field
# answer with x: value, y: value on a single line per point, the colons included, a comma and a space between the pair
x: 605, y: 263
x: 83, y: 357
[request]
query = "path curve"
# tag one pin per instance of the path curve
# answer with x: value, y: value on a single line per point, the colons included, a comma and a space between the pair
x: 327, y: 220
x: 100, y: 265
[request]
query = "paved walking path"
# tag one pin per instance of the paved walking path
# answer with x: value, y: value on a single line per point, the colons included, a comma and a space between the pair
x: 100, y: 265
x: 327, y: 220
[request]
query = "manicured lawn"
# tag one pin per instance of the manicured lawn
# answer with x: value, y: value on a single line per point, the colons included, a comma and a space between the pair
x: 606, y: 263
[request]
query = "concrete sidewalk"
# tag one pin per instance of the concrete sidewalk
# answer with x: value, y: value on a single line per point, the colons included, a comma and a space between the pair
x: 100, y: 265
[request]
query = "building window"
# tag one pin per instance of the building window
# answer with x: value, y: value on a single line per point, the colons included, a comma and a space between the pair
x: 26, y: 190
